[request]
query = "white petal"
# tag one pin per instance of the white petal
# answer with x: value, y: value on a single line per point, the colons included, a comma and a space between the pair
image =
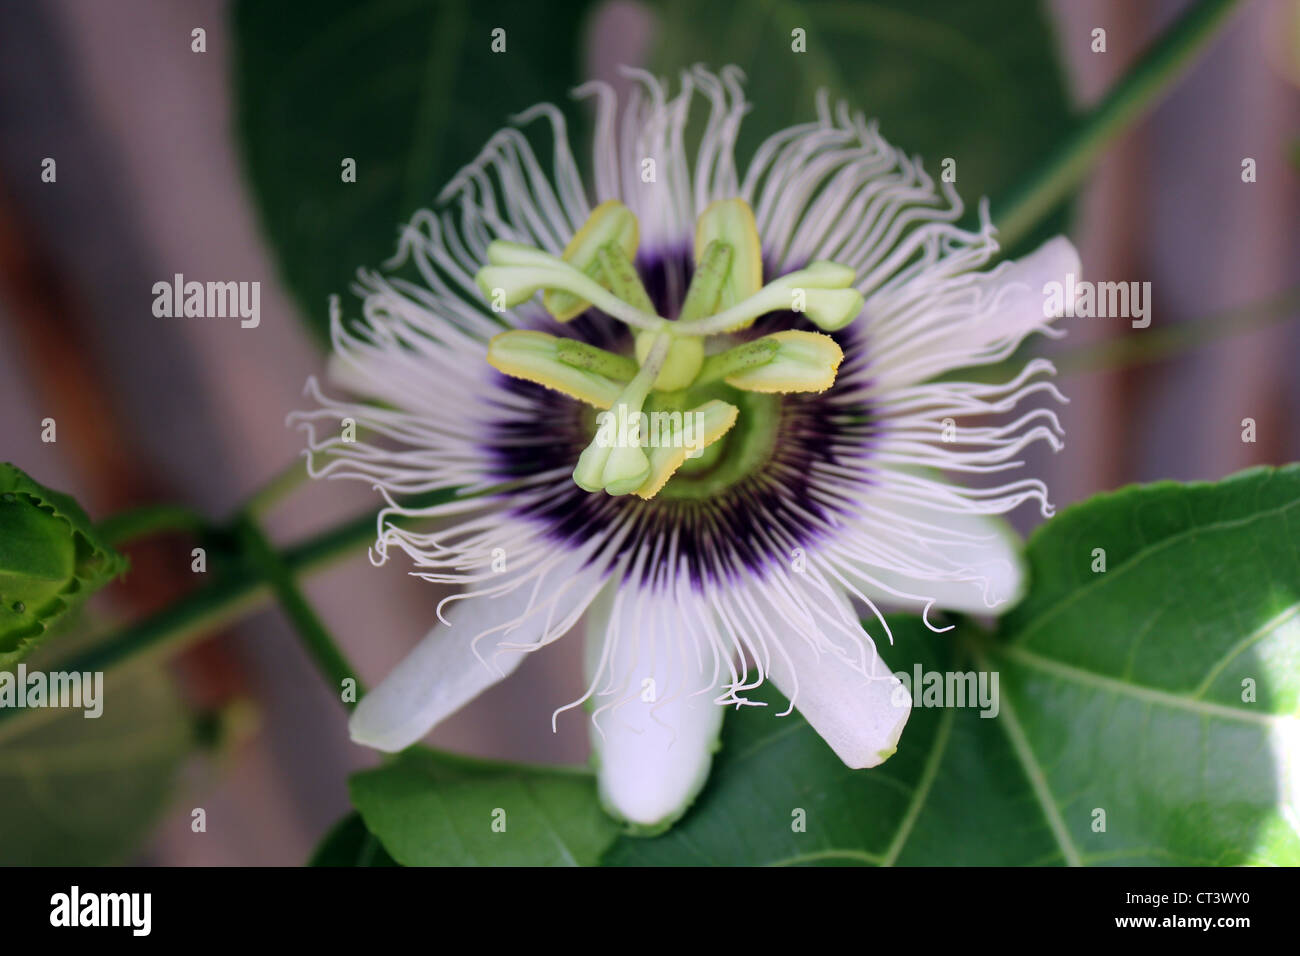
x: 654, y: 746
x: 443, y: 673
x: 959, y: 559
x: 436, y: 679
x: 808, y: 636
x: 861, y: 715
x: 1023, y: 307
x: 928, y: 328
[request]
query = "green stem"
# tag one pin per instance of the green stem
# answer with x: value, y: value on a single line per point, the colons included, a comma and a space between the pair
x: 1169, y: 340
x: 1137, y: 91
x: 324, y: 651
x: 127, y: 526
x: 277, y: 488
x: 1152, y: 345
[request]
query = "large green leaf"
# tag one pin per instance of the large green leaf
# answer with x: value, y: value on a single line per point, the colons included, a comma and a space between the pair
x: 1120, y: 691
x: 1130, y: 690
x: 433, y: 809
x: 976, y: 82
x: 410, y: 89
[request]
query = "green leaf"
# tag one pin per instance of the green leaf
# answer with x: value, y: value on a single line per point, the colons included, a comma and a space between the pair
x: 1130, y: 690
x: 349, y: 843
x: 1119, y: 691
x: 408, y: 89
x: 975, y: 82
x: 434, y: 809
x: 77, y: 791
x: 51, y: 560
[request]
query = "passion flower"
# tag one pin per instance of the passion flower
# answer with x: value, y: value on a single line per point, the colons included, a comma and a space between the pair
x: 698, y: 403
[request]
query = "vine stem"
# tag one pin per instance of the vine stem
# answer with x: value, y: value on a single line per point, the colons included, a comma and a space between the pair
x: 1160, y: 64
x: 148, y: 520
x: 1162, y: 343
x: 276, y: 572
x: 1153, y: 345
x: 280, y: 486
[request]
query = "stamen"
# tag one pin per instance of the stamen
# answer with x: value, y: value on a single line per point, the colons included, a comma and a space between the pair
x: 620, y: 466
x: 583, y: 355
x: 802, y: 362
x: 706, y: 285
x: 609, y: 223
x: 731, y: 222
x: 573, y: 368
x: 741, y: 358
x: 621, y: 278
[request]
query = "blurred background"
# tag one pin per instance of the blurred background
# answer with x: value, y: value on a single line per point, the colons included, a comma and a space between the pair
x: 158, y: 173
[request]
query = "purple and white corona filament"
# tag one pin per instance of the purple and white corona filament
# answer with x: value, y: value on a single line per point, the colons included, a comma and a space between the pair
x: 794, y: 314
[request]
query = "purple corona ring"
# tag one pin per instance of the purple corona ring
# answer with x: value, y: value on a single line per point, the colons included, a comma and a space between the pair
x: 703, y: 407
